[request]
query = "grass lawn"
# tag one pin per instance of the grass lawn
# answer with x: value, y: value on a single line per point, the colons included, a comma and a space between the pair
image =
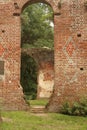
x: 39, y: 102
x: 20, y: 120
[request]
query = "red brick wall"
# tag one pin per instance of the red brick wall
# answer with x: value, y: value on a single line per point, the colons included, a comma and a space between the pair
x: 70, y: 54
x: 70, y: 47
x: 45, y: 80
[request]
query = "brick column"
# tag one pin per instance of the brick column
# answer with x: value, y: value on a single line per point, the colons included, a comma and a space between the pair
x: 70, y: 55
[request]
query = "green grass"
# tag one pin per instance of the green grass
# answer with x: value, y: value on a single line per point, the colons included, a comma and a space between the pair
x: 25, y: 121
x: 41, y: 102
x: 28, y: 46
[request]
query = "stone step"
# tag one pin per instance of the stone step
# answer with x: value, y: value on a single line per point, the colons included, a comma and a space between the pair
x: 37, y: 109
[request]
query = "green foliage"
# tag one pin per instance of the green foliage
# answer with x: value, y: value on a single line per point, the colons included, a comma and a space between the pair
x: 36, y: 28
x: 77, y: 109
x: 28, y: 76
x: 66, y: 109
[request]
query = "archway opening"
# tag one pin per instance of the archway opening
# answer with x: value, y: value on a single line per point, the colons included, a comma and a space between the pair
x: 38, y: 41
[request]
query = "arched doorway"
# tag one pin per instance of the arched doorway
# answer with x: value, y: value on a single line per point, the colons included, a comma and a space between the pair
x: 37, y: 32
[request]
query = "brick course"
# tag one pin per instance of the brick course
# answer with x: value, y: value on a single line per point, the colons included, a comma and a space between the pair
x: 70, y: 32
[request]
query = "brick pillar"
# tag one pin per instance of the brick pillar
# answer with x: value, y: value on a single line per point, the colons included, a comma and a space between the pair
x: 11, y: 92
x: 70, y: 55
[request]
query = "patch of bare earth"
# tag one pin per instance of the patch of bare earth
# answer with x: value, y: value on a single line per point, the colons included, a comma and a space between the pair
x: 4, y: 119
x: 41, y: 114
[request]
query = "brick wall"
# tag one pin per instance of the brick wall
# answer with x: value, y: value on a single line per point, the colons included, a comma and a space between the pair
x: 70, y: 54
x: 70, y: 45
x: 45, y: 80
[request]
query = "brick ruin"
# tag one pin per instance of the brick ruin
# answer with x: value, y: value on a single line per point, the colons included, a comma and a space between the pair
x: 70, y: 52
x: 44, y: 59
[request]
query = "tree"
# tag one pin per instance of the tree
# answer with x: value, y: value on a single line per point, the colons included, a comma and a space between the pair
x: 36, y: 25
x: 29, y: 75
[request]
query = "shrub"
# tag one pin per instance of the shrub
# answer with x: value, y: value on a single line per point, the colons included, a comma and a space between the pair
x: 66, y: 108
x: 77, y: 109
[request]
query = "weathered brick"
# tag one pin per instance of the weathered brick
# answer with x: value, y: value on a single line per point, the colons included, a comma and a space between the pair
x: 69, y: 21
